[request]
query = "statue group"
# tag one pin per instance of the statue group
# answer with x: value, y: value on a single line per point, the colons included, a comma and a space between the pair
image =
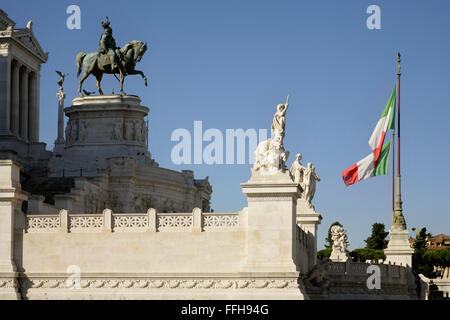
x: 110, y: 59
x: 271, y: 157
x: 340, y: 244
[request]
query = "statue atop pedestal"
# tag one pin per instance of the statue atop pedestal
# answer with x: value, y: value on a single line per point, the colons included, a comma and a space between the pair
x: 306, y: 177
x: 340, y: 244
x: 110, y: 59
x: 309, y: 183
x: 60, y: 95
x: 270, y: 155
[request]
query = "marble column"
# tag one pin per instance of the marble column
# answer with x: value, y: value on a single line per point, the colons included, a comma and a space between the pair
x: 37, y: 105
x: 5, y: 94
x: 23, y: 114
x: 15, y: 94
x: 32, y: 107
x: 60, y: 142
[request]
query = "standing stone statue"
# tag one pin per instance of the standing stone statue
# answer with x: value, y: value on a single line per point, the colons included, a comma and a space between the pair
x: 82, y: 130
x: 129, y: 132
x: 145, y: 133
x: 340, y: 244
x: 309, y: 183
x: 297, y: 169
x: 270, y: 155
x: 68, y: 131
x: 138, y: 130
x: 74, y: 132
x: 59, y: 142
x: 279, y: 121
x: 117, y: 131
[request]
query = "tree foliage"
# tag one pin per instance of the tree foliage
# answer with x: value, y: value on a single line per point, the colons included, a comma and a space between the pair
x: 438, y: 258
x: 420, y: 263
x: 364, y: 254
x: 377, y: 241
x: 325, y: 253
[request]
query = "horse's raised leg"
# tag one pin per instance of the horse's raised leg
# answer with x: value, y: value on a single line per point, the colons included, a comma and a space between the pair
x: 122, y: 77
x: 80, y: 83
x: 141, y: 73
x: 99, y: 76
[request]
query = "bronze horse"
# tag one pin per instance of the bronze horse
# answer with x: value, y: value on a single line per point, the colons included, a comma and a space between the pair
x: 98, y: 64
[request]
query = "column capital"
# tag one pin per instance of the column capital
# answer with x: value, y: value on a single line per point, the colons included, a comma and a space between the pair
x: 16, y: 64
x: 25, y: 70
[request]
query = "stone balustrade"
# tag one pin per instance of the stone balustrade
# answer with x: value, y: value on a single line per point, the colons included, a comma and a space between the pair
x: 132, y: 222
x: 360, y: 269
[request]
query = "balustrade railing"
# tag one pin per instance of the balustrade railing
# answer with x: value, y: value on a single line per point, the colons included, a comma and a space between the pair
x: 132, y: 222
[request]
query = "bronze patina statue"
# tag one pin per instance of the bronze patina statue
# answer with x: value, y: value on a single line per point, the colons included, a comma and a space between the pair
x: 110, y: 59
x: 107, y: 44
x: 63, y: 76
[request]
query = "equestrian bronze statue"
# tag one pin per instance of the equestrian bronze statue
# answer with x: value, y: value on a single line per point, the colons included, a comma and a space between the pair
x: 110, y: 59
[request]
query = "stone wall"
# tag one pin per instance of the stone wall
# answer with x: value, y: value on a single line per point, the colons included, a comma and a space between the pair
x: 130, y: 243
x: 153, y: 255
x: 443, y: 285
x: 260, y: 252
x: 348, y: 280
x: 434, y: 289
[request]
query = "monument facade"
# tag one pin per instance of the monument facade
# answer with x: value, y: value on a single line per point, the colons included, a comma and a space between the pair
x: 21, y: 57
x: 100, y: 158
x: 97, y: 218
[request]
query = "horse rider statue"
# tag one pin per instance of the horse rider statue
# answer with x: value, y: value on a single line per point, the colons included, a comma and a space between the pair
x: 107, y: 45
x: 110, y: 59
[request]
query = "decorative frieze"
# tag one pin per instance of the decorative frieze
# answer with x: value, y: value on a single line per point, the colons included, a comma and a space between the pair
x: 255, y: 198
x: 8, y: 284
x: 155, y: 283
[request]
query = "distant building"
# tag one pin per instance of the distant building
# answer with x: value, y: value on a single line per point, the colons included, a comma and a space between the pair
x: 435, y: 242
x: 438, y: 242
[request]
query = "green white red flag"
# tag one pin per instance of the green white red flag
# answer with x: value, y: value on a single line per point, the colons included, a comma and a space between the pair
x: 377, y: 163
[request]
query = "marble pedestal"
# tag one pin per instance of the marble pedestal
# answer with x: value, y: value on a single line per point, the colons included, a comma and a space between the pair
x: 272, y: 226
x: 308, y: 219
x: 11, y: 197
x: 399, y: 250
x: 272, y: 240
x: 338, y: 256
x: 99, y: 128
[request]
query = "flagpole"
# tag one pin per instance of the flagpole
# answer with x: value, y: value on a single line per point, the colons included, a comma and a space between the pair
x: 393, y: 172
x: 398, y: 220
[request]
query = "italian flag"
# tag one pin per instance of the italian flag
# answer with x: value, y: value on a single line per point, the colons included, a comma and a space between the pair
x: 366, y: 168
x: 377, y: 163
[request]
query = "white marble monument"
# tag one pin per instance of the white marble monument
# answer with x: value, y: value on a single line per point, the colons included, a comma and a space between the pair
x: 340, y: 244
x: 21, y: 57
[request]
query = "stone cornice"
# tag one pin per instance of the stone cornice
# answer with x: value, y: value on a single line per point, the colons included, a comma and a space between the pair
x: 25, y: 39
x: 12, y: 194
x: 5, y: 20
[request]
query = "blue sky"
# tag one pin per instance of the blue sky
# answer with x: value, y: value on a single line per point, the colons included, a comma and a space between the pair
x: 228, y: 63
